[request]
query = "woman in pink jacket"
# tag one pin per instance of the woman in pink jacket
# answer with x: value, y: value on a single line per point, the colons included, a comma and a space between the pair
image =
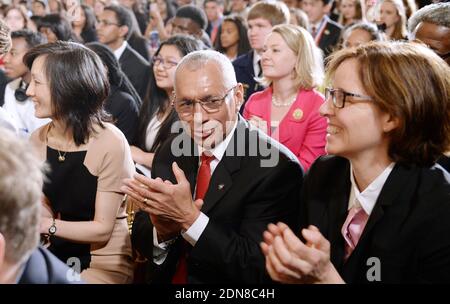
x: 288, y: 110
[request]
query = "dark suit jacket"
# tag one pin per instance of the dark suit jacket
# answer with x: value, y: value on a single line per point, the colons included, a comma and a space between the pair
x: 125, y: 112
x: 137, y: 70
x: 330, y: 37
x: 245, y: 74
x: 140, y: 45
x: 408, y: 229
x: 44, y: 268
x: 242, y: 199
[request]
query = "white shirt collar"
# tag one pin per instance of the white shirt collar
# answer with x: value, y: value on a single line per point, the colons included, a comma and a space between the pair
x: 317, y: 24
x: 369, y: 196
x: 219, y: 150
x: 256, y: 58
x: 120, y: 50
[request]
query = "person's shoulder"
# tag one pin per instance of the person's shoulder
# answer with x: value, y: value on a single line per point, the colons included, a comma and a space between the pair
x: 258, y: 98
x: 334, y: 25
x: 108, y: 138
x: 313, y: 97
x: 435, y: 180
x: 38, y: 137
x: 121, y: 99
x: 330, y: 165
x: 243, y: 60
x: 43, y: 267
x: 135, y: 56
x: 111, y: 132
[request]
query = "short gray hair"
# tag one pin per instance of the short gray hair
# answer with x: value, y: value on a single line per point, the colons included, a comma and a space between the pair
x: 199, y: 59
x: 21, y: 182
x: 437, y: 13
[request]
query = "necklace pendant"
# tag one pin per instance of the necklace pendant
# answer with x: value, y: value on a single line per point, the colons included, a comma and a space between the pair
x: 61, y: 158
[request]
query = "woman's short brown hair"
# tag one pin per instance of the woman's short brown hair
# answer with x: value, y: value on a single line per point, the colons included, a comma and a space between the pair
x: 411, y: 83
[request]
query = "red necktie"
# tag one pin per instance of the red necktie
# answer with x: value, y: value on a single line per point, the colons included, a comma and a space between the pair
x: 203, y: 177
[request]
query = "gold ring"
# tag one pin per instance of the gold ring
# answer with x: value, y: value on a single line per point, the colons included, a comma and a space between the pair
x: 145, y: 200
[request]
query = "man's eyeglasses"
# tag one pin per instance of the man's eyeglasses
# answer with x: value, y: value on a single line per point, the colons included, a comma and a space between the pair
x: 338, y: 96
x: 106, y: 23
x: 167, y: 64
x: 210, y: 105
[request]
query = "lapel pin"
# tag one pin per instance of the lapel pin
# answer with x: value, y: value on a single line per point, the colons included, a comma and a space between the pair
x: 297, y: 114
x: 220, y: 186
x: 327, y: 32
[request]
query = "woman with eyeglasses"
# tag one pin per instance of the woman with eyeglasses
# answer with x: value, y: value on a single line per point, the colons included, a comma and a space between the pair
x: 157, y: 114
x: 377, y: 208
x: 288, y: 110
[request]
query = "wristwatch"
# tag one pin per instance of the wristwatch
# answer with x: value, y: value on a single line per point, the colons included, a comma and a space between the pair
x: 52, y: 229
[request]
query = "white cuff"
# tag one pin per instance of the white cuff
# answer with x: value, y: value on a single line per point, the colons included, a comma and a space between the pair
x: 195, y: 231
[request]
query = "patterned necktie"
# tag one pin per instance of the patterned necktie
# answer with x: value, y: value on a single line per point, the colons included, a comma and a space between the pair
x: 353, y: 228
x: 203, y: 178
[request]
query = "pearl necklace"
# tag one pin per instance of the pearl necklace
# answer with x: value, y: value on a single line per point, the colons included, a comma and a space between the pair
x: 278, y: 103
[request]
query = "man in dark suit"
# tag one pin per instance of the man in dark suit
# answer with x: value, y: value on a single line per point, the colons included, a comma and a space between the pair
x: 244, y: 181
x: 21, y: 261
x: 325, y: 31
x: 114, y: 28
x: 261, y: 18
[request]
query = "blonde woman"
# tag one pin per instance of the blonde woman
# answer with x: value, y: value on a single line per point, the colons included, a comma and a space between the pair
x: 392, y: 17
x: 288, y: 110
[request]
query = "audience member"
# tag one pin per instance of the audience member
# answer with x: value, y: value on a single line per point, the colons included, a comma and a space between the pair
x: 239, y: 191
x: 232, y: 39
x: 123, y: 102
x: 84, y: 210
x: 114, y: 29
x: 261, y: 18
x: 16, y: 102
x: 157, y: 114
x: 377, y: 210
x: 288, y: 110
x: 326, y: 32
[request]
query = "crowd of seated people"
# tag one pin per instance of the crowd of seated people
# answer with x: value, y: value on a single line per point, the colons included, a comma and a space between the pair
x: 224, y: 141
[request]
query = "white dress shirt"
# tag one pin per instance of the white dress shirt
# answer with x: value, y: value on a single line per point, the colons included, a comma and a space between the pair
x: 120, y: 50
x: 22, y: 112
x: 369, y: 196
x: 194, y: 232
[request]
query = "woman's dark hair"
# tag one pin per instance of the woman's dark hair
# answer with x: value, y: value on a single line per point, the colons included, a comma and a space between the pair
x: 157, y: 100
x: 78, y: 85
x: 116, y: 76
x: 89, y: 34
x: 170, y: 9
x: 58, y: 25
x: 243, y: 44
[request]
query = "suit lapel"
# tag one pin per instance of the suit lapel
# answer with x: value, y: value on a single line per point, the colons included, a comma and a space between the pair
x: 397, y: 180
x: 189, y: 163
x: 124, y: 57
x: 337, y: 213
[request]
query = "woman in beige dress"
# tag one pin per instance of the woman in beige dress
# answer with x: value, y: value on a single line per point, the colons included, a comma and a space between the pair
x: 84, y: 218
